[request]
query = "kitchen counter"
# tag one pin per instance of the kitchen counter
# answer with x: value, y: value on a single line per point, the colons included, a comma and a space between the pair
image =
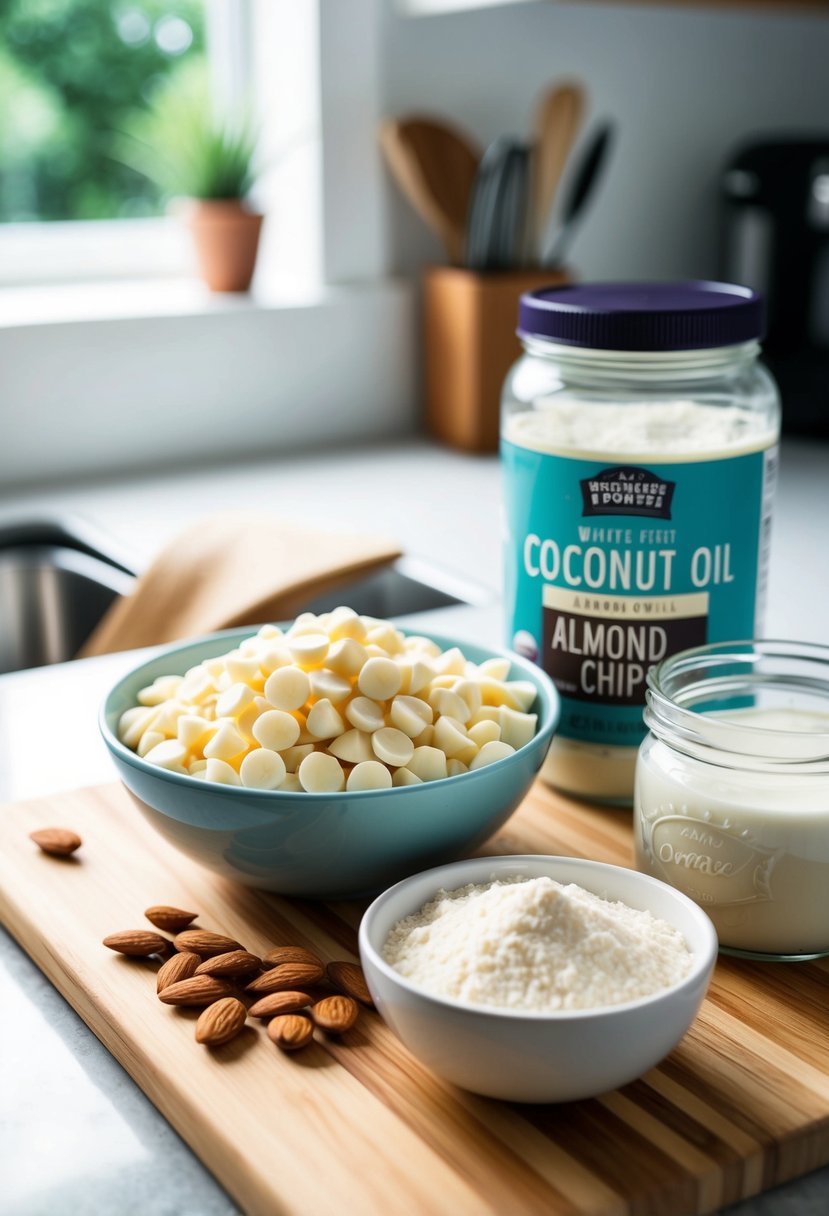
x: 76, y: 1135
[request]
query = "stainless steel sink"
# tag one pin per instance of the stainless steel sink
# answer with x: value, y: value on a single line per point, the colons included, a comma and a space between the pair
x: 57, y: 579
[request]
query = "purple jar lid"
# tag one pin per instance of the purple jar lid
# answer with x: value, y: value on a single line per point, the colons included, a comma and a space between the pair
x: 643, y: 316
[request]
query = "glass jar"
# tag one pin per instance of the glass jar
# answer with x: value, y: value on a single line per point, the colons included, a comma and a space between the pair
x: 732, y: 791
x: 638, y: 447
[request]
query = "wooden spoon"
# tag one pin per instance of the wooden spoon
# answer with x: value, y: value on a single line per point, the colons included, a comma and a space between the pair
x: 435, y: 165
x: 557, y: 121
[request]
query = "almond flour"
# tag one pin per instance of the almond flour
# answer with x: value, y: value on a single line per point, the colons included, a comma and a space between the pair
x: 536, y: 945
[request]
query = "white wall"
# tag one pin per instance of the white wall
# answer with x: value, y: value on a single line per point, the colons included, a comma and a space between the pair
x: 685, y: 84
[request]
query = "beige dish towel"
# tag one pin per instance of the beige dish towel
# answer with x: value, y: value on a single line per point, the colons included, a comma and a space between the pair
x: 233, y: 569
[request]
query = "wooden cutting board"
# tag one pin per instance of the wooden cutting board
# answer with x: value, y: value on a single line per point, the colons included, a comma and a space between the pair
x: 358, y: 1125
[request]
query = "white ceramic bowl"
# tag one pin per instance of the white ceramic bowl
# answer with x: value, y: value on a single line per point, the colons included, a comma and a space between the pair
x: 538, y: 1057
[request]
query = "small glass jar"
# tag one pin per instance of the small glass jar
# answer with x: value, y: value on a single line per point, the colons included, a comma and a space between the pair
x: 638, y: 447
x: 732, y: 792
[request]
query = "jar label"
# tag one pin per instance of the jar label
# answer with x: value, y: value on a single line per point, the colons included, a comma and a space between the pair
x: 609, y: 569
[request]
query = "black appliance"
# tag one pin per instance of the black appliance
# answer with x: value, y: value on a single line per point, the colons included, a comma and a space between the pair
x: 776, y: 240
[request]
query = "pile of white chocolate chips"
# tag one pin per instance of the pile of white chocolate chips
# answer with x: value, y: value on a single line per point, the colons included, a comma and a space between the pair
x: 339, y: 701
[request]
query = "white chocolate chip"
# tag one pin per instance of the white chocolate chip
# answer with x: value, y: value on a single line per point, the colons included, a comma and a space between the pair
x: 324, y: 722
x: 225, y: 743
x: 162, y: 689
x: 485, y: 732
x: 392, y: 746
x: 517, y: 728
x: 471, y: 693
x: 422, y: 646
x: 320, y: 773
x: 369, y: 775
x: 262, y: 769
x: 410, y: 715
x: 490, y: 752
x: 169, y: 754
x: 134, y: 722
x: 345, y: 623
x: 273, y: 658
x: 448, y: 704
x: 386, y: 637
x: 329, y: 685
x: 149, y: 740
x: 379, y: 679
x: 193, y: 731
x: 450, y: 736
x: 221, y: 771
x: 428, y: 763
x: 233, y: 700
x: 405, y: 776
x: 496, y: 669
x: 276, y: 729
x: 365, y: 714
x: 346, y: 657
x: 242, y: 670
x: 455, y: 767
x: 451, y: 662
x: 354, y: 747
x: 309, y: 649
x: 293, y: 756
x: 288, y: 688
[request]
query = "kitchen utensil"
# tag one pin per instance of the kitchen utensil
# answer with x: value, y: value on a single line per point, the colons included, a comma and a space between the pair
x: 558, y: 118
x: 509, y: 221
x: 530, y: 1056
x: 495, y: 227
x: 435, y: 165
x: 483, y: 204
x: 359, y: 1124
x: 323, y: 845
x: 231, y: 569
x: 580, y: 190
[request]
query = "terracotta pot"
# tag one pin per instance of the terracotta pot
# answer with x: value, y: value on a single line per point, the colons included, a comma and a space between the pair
x: 226, y: 237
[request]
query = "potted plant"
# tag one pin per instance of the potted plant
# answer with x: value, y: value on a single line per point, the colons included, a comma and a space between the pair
x: 208, y: 163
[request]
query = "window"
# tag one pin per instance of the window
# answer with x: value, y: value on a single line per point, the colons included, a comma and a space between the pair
x: 74, y: 75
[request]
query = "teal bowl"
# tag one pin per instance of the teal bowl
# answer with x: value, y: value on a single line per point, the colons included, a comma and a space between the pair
x: 324, y: 846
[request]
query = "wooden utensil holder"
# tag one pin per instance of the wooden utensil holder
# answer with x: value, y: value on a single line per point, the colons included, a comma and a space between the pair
x: 470, y: 343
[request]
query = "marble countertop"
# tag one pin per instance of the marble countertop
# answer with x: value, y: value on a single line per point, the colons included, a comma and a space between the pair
x: 77, y: 1136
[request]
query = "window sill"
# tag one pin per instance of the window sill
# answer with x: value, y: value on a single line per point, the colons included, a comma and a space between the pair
x: 124, y: 376
x: 122, y: 300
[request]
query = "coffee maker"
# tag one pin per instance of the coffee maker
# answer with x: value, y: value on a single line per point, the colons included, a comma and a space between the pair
x: 775, y: 200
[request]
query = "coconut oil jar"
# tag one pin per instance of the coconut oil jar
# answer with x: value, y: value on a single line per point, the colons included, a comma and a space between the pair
x: 638, y: 448
x: 732, y: 791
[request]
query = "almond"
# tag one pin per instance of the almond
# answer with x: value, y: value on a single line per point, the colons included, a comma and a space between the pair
x: 291, y: 1031
x: 171, y: 920
x: 198, y: 990
x: 279, y: 1002
x: 336, y: 1014
x: 137, y: 943
x: 235, y: 962
x: 178, y: 967
x: 59, y: 842
x: 286, y: 975
x: 290, y: 954
x: 349, y: 978
x: 200, y: 941
x: 220, y: 1022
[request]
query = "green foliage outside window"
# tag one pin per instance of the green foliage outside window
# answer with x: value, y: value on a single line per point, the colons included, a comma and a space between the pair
x: 73, y: 74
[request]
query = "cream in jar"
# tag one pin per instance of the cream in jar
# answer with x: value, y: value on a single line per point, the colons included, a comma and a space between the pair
x: 732, y: 791
x: 638, y: 448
